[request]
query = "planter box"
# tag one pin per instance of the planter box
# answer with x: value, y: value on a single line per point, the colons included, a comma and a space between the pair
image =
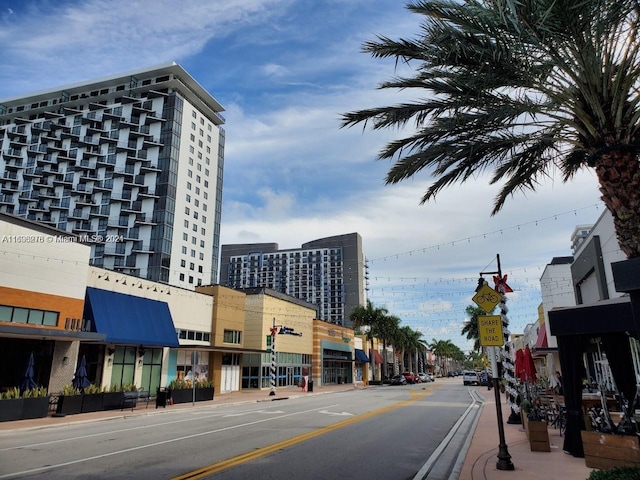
x: 69, y: 404
x: 605, y: 451
x: 204, y: 394
x: 11, y: 409
x: 537, y: 434
x: 37, y: 407
x: 92, y: 402
x: 185, y: 395
x: 112, y: 400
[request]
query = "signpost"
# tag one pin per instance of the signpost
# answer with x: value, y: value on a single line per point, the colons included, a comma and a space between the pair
x: 490, y: 330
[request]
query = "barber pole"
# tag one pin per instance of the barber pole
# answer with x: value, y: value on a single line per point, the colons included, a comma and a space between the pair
x: 274, y: 367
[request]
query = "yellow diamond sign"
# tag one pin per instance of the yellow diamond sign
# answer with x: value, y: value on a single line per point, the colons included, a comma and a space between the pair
x: 490, y: 330
x: 486, y: 298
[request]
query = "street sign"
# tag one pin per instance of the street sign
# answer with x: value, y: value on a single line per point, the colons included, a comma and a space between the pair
x: 486, y: 298
x: 490, y: 330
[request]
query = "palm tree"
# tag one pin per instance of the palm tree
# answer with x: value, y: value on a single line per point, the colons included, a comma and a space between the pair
x: 470, y: 327
x: 445, y: 351
x: 372, y: 317
x: 519, y: 89
x: 386, y: 331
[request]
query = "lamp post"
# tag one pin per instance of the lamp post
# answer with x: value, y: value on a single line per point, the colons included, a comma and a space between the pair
x: 274, y: 366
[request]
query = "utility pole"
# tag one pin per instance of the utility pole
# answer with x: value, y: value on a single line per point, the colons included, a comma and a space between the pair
x: 504, y: 458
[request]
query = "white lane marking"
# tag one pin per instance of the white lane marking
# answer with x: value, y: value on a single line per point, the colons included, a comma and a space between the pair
x: 336, y: 413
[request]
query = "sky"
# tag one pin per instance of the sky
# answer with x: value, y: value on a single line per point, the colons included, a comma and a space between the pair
x: 285, y: 71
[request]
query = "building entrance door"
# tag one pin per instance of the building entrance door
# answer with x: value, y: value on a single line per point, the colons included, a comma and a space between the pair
x: 289, y: 376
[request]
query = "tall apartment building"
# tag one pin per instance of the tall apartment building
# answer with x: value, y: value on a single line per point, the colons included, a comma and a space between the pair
x: 132, y: 163
x: 329, y: 273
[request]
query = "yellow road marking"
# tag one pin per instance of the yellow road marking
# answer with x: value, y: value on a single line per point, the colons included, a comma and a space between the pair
x: 261, y: 452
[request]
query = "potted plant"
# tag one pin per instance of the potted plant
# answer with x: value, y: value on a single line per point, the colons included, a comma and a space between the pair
x: 609, y: 444
x: 204, y: 390
x: 534, y: 420
x: 181, y: 391
x: 36, y: 403
x: 11, y: 405
x: 112, y: 397
x: 69, y: 401
x: 92, y: 399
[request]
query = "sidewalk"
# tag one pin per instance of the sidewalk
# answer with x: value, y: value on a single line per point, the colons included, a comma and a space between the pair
x: 481, y: 458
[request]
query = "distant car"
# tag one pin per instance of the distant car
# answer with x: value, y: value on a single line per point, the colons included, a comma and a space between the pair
x: 431, y: 377
x: 410, y: 376
x: 424, y: 377
x: 398, y: 380
x: 470, y: 378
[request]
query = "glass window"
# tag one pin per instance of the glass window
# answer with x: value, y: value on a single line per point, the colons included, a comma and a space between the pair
x: 5, y: 313
x: 35, y: 317
x: 20, y: 315
x: 50, y: 319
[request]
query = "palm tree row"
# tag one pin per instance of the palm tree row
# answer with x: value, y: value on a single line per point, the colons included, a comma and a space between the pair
x: 406, y: 342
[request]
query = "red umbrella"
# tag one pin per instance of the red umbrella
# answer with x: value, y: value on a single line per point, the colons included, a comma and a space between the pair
x: 529, y: 366
x: 519, y: 366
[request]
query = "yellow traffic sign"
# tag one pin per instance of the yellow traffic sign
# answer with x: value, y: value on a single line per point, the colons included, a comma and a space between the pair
x: 490, y: 330
x: 486, y: 298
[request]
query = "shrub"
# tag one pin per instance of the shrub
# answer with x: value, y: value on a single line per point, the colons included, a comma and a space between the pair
x: 93, y: 388
x: 11, y: 393
x: 617, y: 473
x: 37, y: 392
x: 129, y: 387
x: 69, y: 390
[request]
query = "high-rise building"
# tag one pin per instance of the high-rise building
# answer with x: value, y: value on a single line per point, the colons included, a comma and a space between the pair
x: 132, y: 163
x: 329, y: 273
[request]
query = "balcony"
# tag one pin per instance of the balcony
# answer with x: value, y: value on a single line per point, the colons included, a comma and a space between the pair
x: 6, y: 199
x: 115, y: 249
x: 145, y: 219
x: 66, y: 179
x: 78, y: 214
x: 16, y: 164
x: 13, y: 153
x: 84, y: 227
x: 60, y: 204
x: 101, y: 211
x: 40, y: 127
x: 105, y: 185
x: 129, y: 147
x: 140, y: 247
x: 152, y: 142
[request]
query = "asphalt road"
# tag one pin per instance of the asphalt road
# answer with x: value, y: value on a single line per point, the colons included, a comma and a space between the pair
x: 380, y: 433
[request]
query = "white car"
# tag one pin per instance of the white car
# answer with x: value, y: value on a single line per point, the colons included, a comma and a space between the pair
x: 470, y: 378
x: 424, y: 377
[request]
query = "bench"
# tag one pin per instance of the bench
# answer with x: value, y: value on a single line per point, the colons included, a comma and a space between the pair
x: 131, y: 399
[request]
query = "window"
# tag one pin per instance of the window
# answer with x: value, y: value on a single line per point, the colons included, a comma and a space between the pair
x: 192, y: 266
x: 232, y: 336
x: 203, y: 231
x: 184, y: 250
x: 188, y: 198
x: 182, y: 277
x: 201, y: 256
x: 185, y: 237
x: 199, y: 167
x: 186, y: 224
x: 26, y: 315
x: 191, y: 149
x: 193, y: 253
x: 194, y: 114
x: 195, y: 215
x: 188, y: 185
x: 186, y: 210
x: 206, y: 184
x: 190, y: 161
x: 193, y: 126
x: 190, y: 279
x: 202, y: 243
x: 183, y: 263
x: 189, y: 173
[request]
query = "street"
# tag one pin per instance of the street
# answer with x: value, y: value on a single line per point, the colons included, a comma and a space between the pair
x: 381, y: 432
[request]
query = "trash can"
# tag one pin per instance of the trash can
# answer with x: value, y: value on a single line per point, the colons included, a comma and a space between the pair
x: 162, y: 397
x: 310, y: 386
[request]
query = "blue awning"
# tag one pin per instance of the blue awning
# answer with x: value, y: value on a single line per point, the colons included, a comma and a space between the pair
x: 130, y: 320
x: 361, y: 356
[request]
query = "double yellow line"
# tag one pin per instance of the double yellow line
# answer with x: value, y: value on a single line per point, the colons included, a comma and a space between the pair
x: 261, y: 452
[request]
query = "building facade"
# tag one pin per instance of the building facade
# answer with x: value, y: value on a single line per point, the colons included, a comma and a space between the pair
x: 329, y: 273
x: 132, y: 163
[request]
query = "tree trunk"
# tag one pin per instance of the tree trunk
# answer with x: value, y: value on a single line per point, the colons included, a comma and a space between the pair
x: 619, y: 176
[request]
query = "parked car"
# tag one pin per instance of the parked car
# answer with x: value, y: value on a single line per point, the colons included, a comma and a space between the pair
x: 431, y: 377
x: 410, y: 376
x: 470, y: 378
x: 398, y: 380
x: 424, y: 377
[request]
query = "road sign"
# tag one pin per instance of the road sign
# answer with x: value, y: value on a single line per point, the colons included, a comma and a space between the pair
x: 490, y: 330
x: 486, y: 298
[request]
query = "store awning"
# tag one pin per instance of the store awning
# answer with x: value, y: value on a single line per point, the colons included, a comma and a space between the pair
x: 541, y: 342
x: 361, y: 356
x: 130, y: 320
x: 377, y: 357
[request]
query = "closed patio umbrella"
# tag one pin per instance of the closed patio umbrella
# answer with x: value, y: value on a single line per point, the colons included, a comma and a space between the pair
x: 27, y: 379
x: 80, y: 379
x: 529, y: 366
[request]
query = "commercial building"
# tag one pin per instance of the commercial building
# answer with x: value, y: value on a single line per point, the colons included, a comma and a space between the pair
x: 329, y: 273
x: 131, y: 163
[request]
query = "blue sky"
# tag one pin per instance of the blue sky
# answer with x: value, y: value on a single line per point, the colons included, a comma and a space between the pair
x: 285, y: 70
